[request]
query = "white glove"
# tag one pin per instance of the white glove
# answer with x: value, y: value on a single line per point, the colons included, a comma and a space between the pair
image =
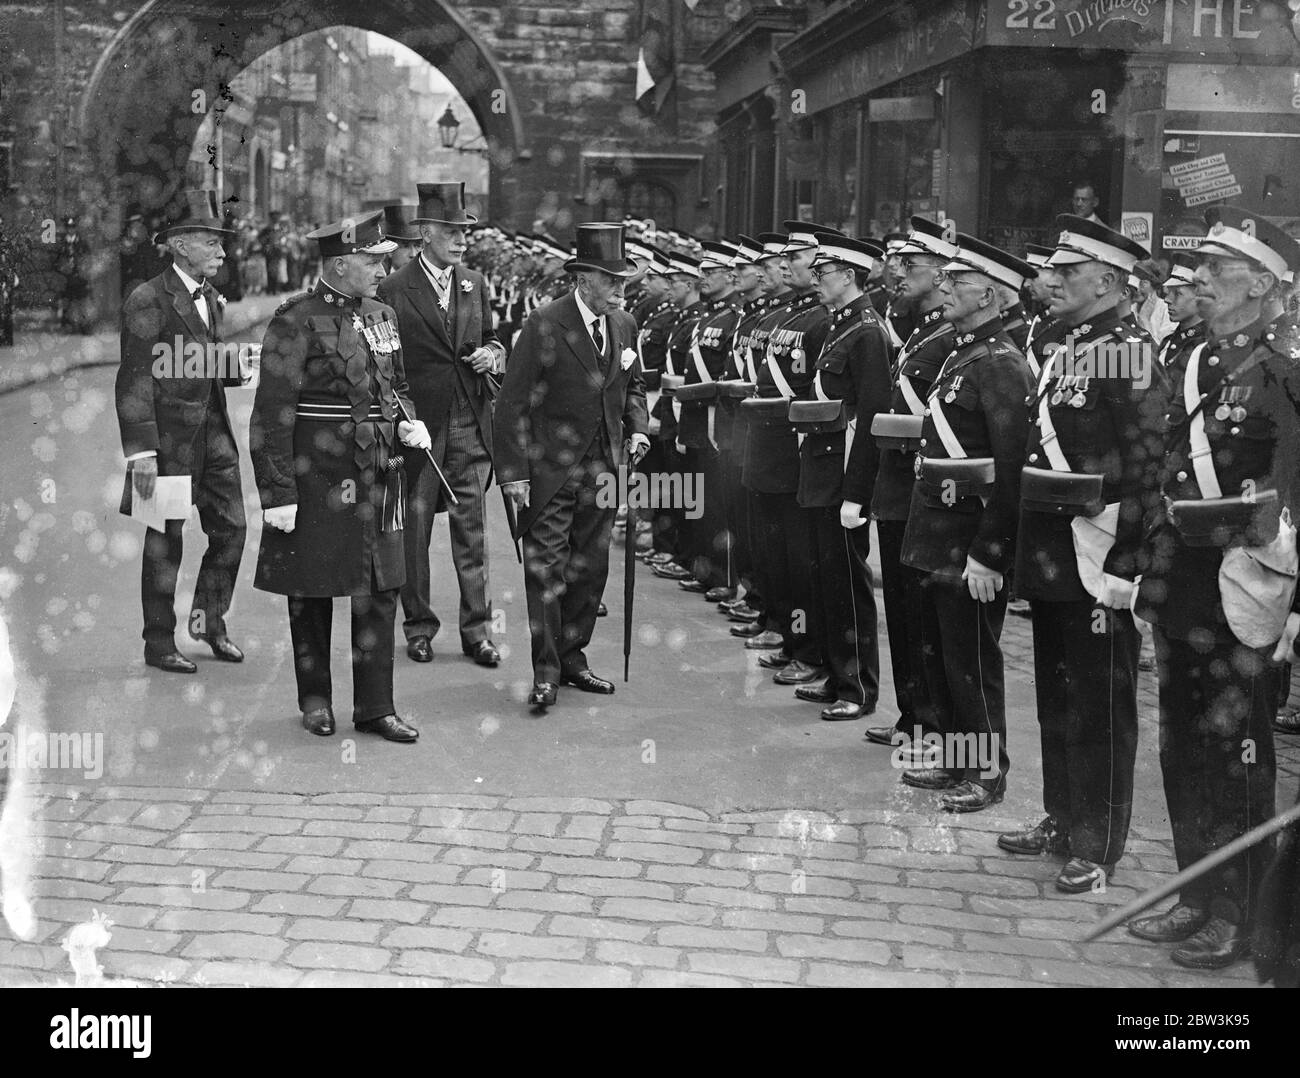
x: 517, y: 492
x: 1116, y: 592
x: 982, y: 581
x: 636, y: 447
x: 414, y: 434
x: 1282, y: 653
x: 283, y: 518
x: 851, y: 515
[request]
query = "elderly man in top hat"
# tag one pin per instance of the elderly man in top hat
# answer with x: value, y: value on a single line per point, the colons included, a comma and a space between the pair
x: 323, y: 435
x: 1223, y: 618
x: 452, y: 354
x: 176, y: 423
x: 400, y: 228
x: 571, y: 412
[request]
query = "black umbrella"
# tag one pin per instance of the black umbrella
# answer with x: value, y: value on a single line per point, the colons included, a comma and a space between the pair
x: 629, y: 572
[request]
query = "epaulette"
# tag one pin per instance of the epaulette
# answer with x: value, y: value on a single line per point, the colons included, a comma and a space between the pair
x: 1283, y: 337
x: 291, y: 302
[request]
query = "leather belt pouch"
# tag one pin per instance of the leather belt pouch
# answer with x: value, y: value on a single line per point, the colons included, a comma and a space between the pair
x: 818, y: 417
x: 734, y: 389
x: 902, y: 432
x: 651, y: 377
x: 1071, y: 494
x: 767, y: 411
x: 951, y: 479
x: 669, y: 384
x: 699, y: 393
x: 1223, y: 521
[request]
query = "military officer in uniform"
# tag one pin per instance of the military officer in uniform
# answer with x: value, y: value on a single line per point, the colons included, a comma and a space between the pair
x: 652, y: 342
x: 962, y: 524
x: 921, y: 261
x: 1090, y: 440
x: 324, y: 433
x: 851, y: 383
x: 1229, y: 479
x: 1189, y: 326
x: 1044, y: 330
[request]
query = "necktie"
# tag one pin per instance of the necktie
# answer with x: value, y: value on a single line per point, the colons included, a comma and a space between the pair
x: 199, y: 296
x: 598, y: 339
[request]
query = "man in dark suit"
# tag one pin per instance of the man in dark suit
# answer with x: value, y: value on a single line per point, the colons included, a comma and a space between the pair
x: 571, y: 412
x: 444, y: 316
x: 173, y: 421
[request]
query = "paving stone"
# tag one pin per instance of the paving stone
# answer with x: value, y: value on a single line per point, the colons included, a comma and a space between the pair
x: 256, y: 797
x: 388, y: 850
x: 713, y: 826
x: 809, y: 831
x: 605, y: 886
x: 1065, y: 907
x: 158, y: 875
x: 501, y: 880
x: 163, y: 817
x: 914, y: 859
x: 411, y: 871
x: 32, y: 955
x: 185, y: 898
x: 74, y: 911
x: 437, y: 939
x: 466, y: 820
x: 1074, y: 973
x: 798, y: 883
x: 852, y: 870
x: 768, y: 921
x: 545, y: 901
x: 663, y: 978
x: 590, y: 827
x: 645, y: 909
x: 349, y: 956
x: 642, y: 821
x: 795, y: 848
x: 974, y: 883
x: 694, y: 839
x: 299, y: 905
x: 508, y: 945
x: 875, y: 892
x: 248, y: 879
x: 834, y: 907
x: 870, y: 815
x: 213, y: 840
x: 538, y: 823
x: 597, y: 928
x: 70, y: 847
x: 259, y: 825
x: 325, y: 978
x: 704, y: 877
x: 833, y: 950
x: 461, y: 801
x: 919, y: 956
x: 752, y: 967
x: 653, y: 851
x: 975, y: 922
x: 350, y: 829
x: 301, y: 845
x: 355, y: 887
x: 570, y: 847
x: 113, y: 811
x: 561, y: 805
x: 589, y: 866
x: 310, y: 812
x: 144, y: 940
x: 350, y: 799
x: 564, y: 975
x: 729, y: 897
x: 381, y: 909
x: 94, y: 892
x: 218, y: 921
x: 727, y: 939
x: 492, y: 858
x: 131, y: 836
x: 333, y: 930
x: 235, y: 945
x: 663, y: 808
x: 455, y: 836
x: 390, y: 814
x: 324, y: 866
x: 143, y: 967
x: 617, y: 952
x: 894, y: 933
x: 500, y: 920
x: 454, y: 968
x: 453, y: 894
x: 752, y: 862
x: 234, y: 859
x: 776, y: 815
x: 248, y: 974
x: 822, y: 975
x: 1035, y: 948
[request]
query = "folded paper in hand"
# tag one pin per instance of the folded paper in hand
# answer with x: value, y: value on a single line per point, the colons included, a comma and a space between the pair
x: 170, y: 501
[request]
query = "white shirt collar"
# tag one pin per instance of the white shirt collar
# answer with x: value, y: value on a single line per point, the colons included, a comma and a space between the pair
x: 442, y: 276
x: 587, y: 316
x: 189, y: 282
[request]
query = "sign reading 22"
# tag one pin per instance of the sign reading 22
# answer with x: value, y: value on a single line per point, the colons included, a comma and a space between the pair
x: 1044, y: 15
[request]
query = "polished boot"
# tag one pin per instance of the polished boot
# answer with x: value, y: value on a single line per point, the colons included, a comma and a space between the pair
x: 970, y: 797
x: 698, y: 586
x: 390, y: 728
x: 171, y: 663
x: 222, y: 647
x: 930, y: 778
x: 844, y: 711
x: 586, y: 681
x: 720, y: 595
x: 1045, y: 837
x: 484, y: 653
x: 1216, y: 946
x: 881, y: 735
x: 764, y: 641
x: 743, y: 613
x: 1080, y: 875
x: 747, y: 631
x: 543, y: 695
x: 420, y: 648
x: 1177, y: 923
x: 815, y: 694
x: 775, y: 660
x: 798, y: 673
x: 318, y: 721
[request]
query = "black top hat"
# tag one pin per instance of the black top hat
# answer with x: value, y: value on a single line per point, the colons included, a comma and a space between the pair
x: 398, y: 226
x: 352, y: 236
x: 442, y: 204
x: 600, y: 247
x: 198, y: 212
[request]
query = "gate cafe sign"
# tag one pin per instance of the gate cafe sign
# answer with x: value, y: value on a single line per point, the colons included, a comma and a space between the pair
x: 1263, y: 30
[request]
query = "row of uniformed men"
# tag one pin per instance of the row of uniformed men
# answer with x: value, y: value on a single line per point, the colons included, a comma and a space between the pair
x: 995, y: 446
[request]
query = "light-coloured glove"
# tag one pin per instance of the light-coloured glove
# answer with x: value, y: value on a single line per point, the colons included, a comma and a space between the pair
x: 1116, y: 592
x: 517, y: 492
x: 144, y: 473
x: 283, y: 518
x: 414, y: 434
x: 482, y: 359
x: 851, y: 515
x: 636, y: 447
x: 982, y: 581
x: 1282, y: 653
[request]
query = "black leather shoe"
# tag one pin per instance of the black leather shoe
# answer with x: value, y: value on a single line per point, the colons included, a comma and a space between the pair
x: 776, y: 660
x: 798, y: 673
x: 484, y: 653
x: 720, y: 595
x: 881, y: 735
x: 744, y: 613
x: 171, y: 663
x: 390, y: 728
x: 767, y: 640
x: 223, y: 649
x: 602, y: 611
x: 420, y: 648
x: 318, y: 721
x: 1080, y: 875
x: 844, y: 711
x: 816, y: 694
x: 588, y: 682
x: 747, y: 631
x: 1046, y: 837
x: 698, y: 586
x: 671, y: 571
x: 543, y: 694
x: 1216, y: 946
x: 1176, y: 924
x: 970, y: 797
x: 930, y: 778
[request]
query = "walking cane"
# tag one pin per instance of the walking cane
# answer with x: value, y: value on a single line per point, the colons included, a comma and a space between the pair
x: 428, y: 453
x: 629, y: 572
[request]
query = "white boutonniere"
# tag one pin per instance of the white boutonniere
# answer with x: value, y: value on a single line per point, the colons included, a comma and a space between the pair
x: 627, y: 358
x: 467, y: 286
